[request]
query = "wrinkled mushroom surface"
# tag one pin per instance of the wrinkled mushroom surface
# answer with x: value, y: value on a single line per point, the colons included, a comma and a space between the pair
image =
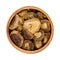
x: 32, y: 25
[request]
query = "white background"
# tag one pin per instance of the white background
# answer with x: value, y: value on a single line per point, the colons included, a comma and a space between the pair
x: 7, y: 51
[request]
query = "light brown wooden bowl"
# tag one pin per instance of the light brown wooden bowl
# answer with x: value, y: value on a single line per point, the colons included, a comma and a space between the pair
x: 25, y: 51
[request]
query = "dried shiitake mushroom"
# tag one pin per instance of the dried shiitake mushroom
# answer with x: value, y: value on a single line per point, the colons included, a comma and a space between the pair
x: 19, y: 19
x: 45, y: 25
x: 17, y: 38
x: 38, y: 44
x: 32, y: 25
x: 39, y: 35
x: 41, y: 15
x: 30, y: 15
x: 23, y: 14
x: 26, y: 34
x: 15, y: 23
x: 46, y: 37
x: 28, y: 45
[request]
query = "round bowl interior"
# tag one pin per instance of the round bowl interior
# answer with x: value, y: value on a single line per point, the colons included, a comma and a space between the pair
x: 17, y: 11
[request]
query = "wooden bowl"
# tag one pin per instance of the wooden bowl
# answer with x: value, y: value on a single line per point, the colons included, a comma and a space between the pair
x: 25, y: 51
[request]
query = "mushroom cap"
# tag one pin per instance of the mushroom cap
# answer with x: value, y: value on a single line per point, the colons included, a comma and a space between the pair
x: 41, y: 15
x: 17, y: 38
x: 26, y: 34
x: 28, y: 45
x: 46, y: 37
x: 45, y: 25
x: 38, y: 44
x: 15, y: 22
x: 39, y: 35
x: 32, y: 25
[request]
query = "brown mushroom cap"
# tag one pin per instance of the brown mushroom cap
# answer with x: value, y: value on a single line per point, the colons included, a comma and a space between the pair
x: 46, y: 37
x: 23, y: 14
x: 39, y: 35
x: 38, y: 44
x: 41, y: 15
x: 32, y: 25
x: 27, y: 15
x: 20, y: 27
x: 28, y: 45
x: 26, y: 34
x: 17, y: 38
x: 45, y: 25
x: 30, y: 15
x: 15, y: 22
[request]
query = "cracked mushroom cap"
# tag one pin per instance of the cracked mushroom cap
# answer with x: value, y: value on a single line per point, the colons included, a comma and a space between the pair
x: 17, y: 38
x: 32, y: 25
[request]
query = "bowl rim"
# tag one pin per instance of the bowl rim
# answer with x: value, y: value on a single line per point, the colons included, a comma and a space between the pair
x: 10, y: 19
